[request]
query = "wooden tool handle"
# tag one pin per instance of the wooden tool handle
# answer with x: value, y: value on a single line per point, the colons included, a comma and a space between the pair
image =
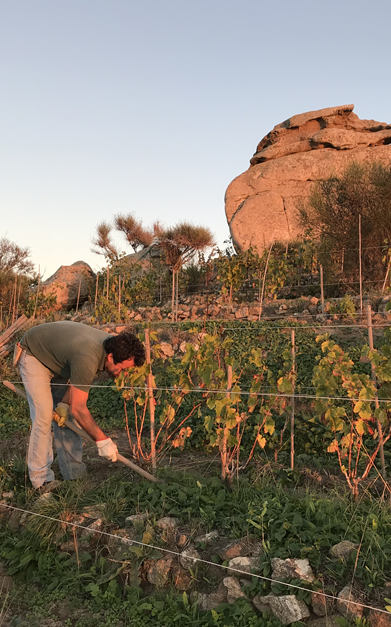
x: 13, y: 388
x: 88, y: 438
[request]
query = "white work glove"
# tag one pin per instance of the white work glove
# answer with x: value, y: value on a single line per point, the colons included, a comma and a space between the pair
x: 107, y: 449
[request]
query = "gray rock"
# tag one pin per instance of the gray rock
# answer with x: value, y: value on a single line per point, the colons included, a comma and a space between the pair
x: 234, y: 548
x: 242, y: 312
x: 181, y: 579
x: 287, y: 609
x: 68, y: 547
x: 189, y: 557
x: 347, y: 604
x: 136, y: 519
x: 207, y: 538
x: 292, y: 569
x: 122, y: 537
x: 321, y: 605
x: 208, y: 602
x: 259, y: 605
x: 244, y: 564
x: 343, y: 549
x: 159, y: 571
x: 257, y: 549
x: 69, y: 284
x: 233, y: 588
x: 96, y: 525
x: 94, y: 511
x: 166, y: 349
x: 167, y: 524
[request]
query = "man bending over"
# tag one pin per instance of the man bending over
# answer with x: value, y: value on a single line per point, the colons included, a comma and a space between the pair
x: 58, y: 363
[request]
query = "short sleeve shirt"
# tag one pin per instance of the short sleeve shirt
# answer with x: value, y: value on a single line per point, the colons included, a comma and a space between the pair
x: 71, y: 350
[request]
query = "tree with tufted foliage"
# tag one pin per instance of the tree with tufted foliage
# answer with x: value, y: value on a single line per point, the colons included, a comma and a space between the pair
x: 179, y: 244
x: 104, y: 243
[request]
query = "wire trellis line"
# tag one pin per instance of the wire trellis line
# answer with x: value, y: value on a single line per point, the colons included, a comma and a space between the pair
x: 222, y: 391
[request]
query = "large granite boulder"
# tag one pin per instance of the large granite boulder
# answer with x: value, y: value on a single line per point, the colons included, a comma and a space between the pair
x: 64, y: 284
x: 261, y: 204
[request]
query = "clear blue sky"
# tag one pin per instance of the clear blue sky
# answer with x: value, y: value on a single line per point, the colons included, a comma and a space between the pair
x: 154, y: 106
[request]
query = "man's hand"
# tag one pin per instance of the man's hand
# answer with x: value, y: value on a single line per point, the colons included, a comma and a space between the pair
x: 60, y: 415
x: 107, y: 449
x: 78, y: 409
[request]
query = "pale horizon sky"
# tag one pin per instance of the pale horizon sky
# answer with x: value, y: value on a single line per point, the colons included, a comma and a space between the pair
x: 154, y: 106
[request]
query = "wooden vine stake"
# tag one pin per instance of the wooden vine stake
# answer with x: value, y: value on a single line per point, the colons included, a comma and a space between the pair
x: 108, y: 280
x: 119, y: 295
x: 293, y: 401
x: 388, y: 271
x: 176, y: 296
x: 224, y: 444
x: 78, y: 297
x: 14, y: 299
x: 151, y: 400
x: 321, y: 289
x: 264, y: 281
x: 96, y: 288
x: 373, y: 372
x: 360, y: 260
x: 173, y: 296
x: 17, y: 304
x: 37, y: 294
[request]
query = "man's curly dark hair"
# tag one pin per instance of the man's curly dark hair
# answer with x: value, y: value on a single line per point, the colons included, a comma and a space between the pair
x: 125, y: 346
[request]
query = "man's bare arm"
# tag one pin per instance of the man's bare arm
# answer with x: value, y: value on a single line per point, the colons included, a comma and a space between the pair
x: 78, y: 408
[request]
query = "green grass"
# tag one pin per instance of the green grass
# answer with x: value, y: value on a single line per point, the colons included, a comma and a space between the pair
x: 290, y: 520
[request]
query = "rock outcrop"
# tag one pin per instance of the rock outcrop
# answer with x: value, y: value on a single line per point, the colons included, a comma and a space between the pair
x: 261, y: 204
x: 64, y: 284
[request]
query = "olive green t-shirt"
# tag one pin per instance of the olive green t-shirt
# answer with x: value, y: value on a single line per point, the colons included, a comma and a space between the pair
x: 69, y: 349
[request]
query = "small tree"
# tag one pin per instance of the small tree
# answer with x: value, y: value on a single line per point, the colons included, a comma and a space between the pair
x: 16, y: 270
x: 13, y: 258
x: 331, y: 217
x: 353, y: 422
x: 179, y: 245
